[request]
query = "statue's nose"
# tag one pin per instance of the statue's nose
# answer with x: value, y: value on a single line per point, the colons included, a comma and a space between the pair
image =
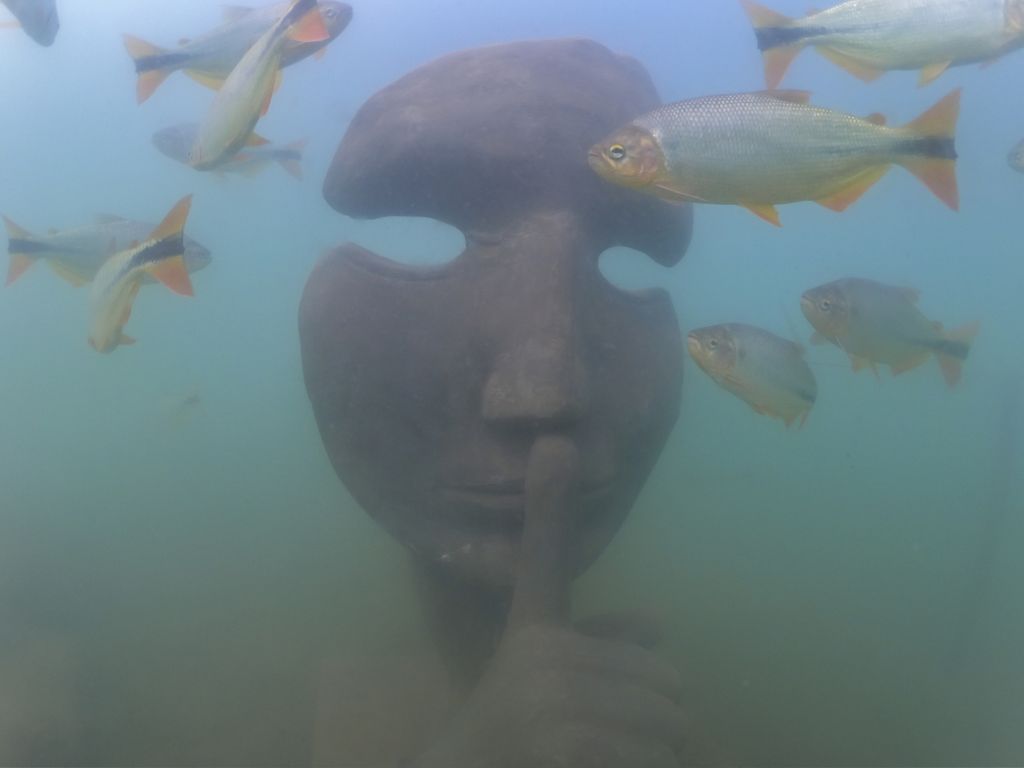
x: 539, y: 375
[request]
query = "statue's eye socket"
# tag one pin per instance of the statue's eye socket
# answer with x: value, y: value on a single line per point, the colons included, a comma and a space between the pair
x: 825, y: 305
x: 617, y: 152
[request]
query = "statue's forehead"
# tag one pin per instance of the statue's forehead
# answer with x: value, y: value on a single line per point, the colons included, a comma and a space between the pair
x: 483, y: 137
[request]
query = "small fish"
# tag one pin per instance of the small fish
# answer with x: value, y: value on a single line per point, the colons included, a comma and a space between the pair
x: 38, y: 18
x: 870, y: 37
x: 769, y: 373
x: 76, y: 255
x: 246, y: 94
x: 1016, y: 157
x: 876, y: 323
x: 176, y: 141
x: 760, y: 149
x: 161, y: 255
x: 210, y: 59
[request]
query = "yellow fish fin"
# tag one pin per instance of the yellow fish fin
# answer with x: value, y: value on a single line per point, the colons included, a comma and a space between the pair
x: 321, y: 52
x: 766, y: 212
x: 205, y: 79
x: 269, y: 96
x: 171, y: 271
x: 938, y: 170
x: 18, y: 265
x: 310, y: 28
x: 792, y: 96
x: 852, y: 192
x: 666, y: 190
x: 10, y: 24
x: 860, y: 363
x: 125, y: 340
x: 255, y: 140
x: 776, y: 58
x: 149, y: 80
x: 930, y: 73
x: 858, y: 69
x: 954, y: 350
x: 910, y: 363
x: 67, y: 273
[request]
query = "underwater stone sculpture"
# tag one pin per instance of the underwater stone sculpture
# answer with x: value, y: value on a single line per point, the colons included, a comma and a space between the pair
x: 452, y: 398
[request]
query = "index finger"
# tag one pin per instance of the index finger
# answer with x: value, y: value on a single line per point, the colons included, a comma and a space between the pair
x: 541, y: 593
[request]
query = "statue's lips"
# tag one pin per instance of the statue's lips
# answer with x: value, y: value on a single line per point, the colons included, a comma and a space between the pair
x: 503, y: 502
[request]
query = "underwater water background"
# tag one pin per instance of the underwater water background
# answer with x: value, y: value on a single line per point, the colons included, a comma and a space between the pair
x: 170, y: 588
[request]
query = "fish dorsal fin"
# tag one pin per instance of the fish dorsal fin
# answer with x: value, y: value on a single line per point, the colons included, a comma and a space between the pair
x: 235, y: 12
x: 109, y: 218
x: 792, y: 96
x: 876, y: 118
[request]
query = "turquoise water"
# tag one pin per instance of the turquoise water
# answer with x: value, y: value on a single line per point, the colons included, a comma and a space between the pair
x: 171, y: 589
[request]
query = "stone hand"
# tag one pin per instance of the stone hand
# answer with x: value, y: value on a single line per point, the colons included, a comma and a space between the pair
x: 554, y: 697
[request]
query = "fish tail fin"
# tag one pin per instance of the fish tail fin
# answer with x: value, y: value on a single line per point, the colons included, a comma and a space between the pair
x: 292, y: 160
x: 305, y: 24
x: 775, y: 39
x: 18, y: 240
x: 146, y: 56
x: 171, y: 270
x: 932, y: 157
x: 953, y: 349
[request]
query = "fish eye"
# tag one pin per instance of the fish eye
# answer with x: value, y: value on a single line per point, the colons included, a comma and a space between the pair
x: 617, y: 152
x: 825, y: 305
x: 713, y: 344
x: 330, y: 13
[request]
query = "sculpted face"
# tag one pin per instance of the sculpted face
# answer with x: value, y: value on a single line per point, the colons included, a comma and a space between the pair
x: 430, y: 385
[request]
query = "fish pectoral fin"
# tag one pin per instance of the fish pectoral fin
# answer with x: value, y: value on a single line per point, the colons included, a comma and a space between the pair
x: 860, y: 363
x: 125, y: 340
x: 255, y: 140
x: 67, y: 273
x: 269, y: 96
x: 910, y: 363
x: 930, y: 73
x: 858, y: 69
x: 310, y: 28
x: 853, y: 191
x: 321, y: 52
x: 766, y: 212
x: 667, y: 191
x: 205, y: 79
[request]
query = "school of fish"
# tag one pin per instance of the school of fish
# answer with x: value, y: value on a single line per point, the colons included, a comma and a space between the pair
x: 757, y: 150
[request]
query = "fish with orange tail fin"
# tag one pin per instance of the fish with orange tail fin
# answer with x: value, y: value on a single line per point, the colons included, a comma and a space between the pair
x: 246, y: 94
x: 870, y: 37
x: 209, y: 58
x: 766, y: 371
x: 161, y: 256
x: 758, y: 150
x: 876, y: 324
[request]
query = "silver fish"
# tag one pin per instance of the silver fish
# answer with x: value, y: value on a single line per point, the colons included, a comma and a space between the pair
x: 38, y: 18
x: 176, y: 141
x: 77, y: 254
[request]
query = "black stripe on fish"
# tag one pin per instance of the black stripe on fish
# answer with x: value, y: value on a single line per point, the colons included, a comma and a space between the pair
x: 170, y: 60
x: 781, y: 37
x: 951, y: 348
x: 25, y: 247
x: 942, y: 147
x: 167, y: 248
